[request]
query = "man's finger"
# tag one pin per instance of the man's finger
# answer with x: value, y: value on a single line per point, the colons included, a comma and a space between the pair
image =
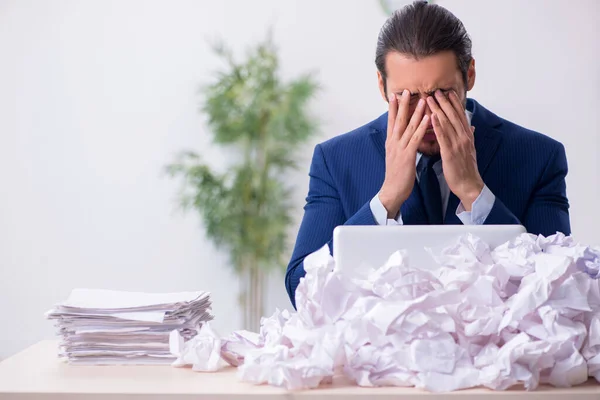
x: 451, y: 113
x: 402, y: 117
x: 419, y: 133
x: 444, y: 126
x: 392, y: 112
x: 415, y: 120
x: 439, y: 131
x: 459, y: 109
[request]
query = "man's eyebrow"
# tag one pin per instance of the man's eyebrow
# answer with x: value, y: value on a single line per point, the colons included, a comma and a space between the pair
x: 443, y: 90
x: 429, y: 93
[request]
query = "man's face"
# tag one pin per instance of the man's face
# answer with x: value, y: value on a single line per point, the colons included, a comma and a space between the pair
x: 422, y: 78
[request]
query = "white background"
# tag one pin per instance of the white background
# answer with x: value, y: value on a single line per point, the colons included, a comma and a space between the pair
x: 97, y: 96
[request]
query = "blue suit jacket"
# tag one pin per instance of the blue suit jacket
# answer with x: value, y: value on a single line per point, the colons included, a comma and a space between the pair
x: 525, y: 170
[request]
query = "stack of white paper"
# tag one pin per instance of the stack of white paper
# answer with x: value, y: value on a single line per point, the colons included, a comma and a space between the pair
x: 113, y: 327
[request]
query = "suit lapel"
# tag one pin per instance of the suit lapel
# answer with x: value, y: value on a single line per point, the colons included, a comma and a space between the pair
x: 486, y: 145
x: 379, y: 133
x: 487, y: 138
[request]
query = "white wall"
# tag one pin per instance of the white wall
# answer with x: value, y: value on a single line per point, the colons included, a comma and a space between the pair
x: 97, y: 96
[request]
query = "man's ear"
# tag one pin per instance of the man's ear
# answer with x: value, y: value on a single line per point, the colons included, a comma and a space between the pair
x: 381, y: 86
x: 471, y: 75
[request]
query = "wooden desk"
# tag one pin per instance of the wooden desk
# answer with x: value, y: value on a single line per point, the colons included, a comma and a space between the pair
x: 37, y: 373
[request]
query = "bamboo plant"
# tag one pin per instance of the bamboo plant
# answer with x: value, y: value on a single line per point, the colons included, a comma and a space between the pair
x: 246, y: 210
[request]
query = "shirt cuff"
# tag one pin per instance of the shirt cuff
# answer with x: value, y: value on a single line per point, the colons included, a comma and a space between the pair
x: 380, y: 213
x: 482, y: 206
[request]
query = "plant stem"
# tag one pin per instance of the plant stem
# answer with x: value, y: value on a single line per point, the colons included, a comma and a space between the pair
x: 260, y: 294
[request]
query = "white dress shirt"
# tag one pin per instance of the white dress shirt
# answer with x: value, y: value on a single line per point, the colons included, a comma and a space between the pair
x: 480, y: 209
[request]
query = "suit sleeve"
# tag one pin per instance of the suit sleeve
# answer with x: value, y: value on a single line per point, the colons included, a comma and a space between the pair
x: 322, y: 213
x: 547, y: 210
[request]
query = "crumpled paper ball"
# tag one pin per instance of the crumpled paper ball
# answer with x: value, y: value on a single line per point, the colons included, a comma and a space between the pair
x: 202, y: 352
x: 205, y: 351
x: 235, y: 346
x: 527, y: 313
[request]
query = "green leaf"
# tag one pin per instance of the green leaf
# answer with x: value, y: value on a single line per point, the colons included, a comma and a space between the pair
x: 246, y: 210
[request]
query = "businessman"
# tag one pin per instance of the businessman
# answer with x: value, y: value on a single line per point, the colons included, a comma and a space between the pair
x: 436, y: 157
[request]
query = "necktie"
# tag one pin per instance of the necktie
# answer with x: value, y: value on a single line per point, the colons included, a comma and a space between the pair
x: 430, y: 190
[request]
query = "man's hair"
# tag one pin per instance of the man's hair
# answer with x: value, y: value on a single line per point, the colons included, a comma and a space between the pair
x: 420, y: 30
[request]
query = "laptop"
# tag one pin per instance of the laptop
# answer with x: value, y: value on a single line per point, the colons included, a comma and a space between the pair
x: 359, y: 248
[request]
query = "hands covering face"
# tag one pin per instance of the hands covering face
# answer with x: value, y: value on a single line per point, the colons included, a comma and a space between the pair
x: 455, y: 139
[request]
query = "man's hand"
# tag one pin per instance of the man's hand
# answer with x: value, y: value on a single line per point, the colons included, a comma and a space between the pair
x: 403, y: 138
x: 457, y: 147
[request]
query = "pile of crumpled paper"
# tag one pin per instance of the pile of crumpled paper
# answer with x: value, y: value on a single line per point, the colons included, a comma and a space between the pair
x: 527, y: 313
